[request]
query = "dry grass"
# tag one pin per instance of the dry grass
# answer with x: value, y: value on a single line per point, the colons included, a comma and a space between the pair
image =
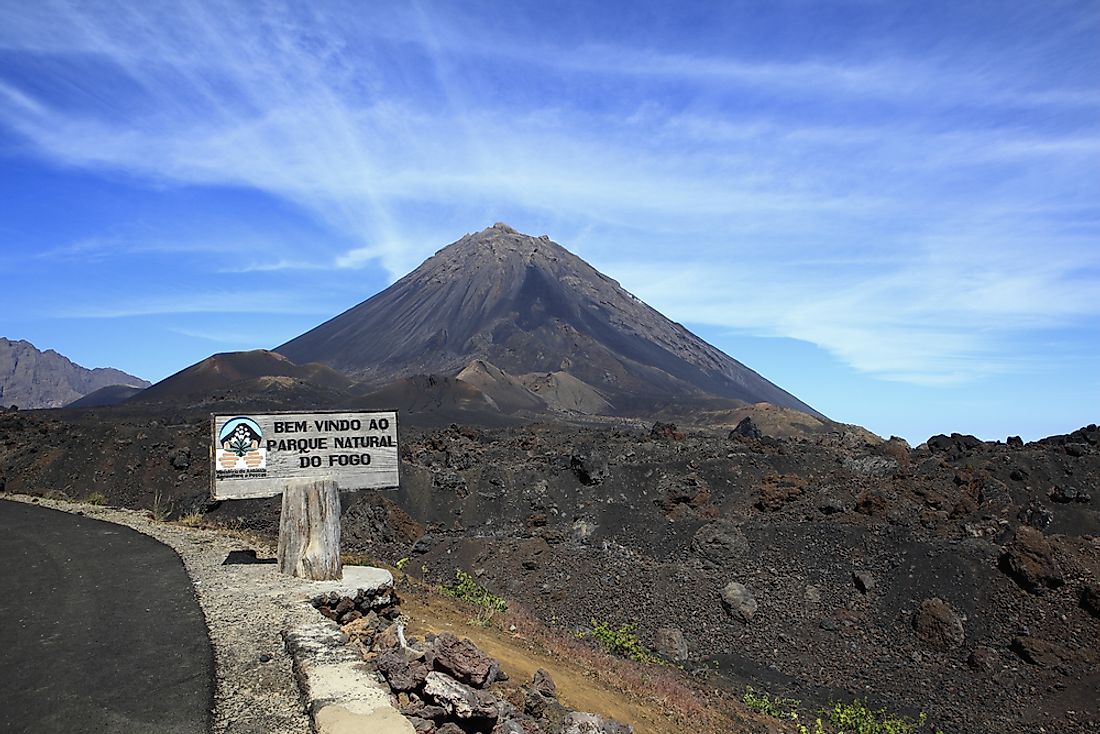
x: 250, y: 538
x: 357, y: 559
x: 191, y: 520
x: 162, y: 506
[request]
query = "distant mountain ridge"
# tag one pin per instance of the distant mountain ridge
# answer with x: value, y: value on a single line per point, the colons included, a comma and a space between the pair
x: 528, y: 321
x: 31, y: 378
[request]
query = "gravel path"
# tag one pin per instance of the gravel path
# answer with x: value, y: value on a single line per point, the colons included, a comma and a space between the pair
x: 247, y: 607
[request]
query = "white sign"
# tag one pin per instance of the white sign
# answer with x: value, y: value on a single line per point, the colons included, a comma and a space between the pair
x: 256, y: 455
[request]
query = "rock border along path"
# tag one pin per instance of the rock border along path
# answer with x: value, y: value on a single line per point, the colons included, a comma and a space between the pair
x: 255, y: 616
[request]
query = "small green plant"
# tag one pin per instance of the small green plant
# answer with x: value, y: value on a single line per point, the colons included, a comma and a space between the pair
x: 764, y: 703
x: 57, y: 496
x: 401, y: 563
x: 838, y: 718
x: 622, y: 641
x: 95, y: 498
x: 483, y: 617
x: 819, y: 728
x: 466, y: 588
x: 858, y: 718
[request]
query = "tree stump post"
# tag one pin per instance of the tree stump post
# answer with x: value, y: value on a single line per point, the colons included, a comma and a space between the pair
x: 309, y: 531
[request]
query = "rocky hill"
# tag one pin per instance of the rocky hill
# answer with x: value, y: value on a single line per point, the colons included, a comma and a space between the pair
x: 536, y: 324
x: 30, y: 378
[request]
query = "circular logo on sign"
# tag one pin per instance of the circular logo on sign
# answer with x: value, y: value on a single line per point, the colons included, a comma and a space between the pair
x: 239, y: 440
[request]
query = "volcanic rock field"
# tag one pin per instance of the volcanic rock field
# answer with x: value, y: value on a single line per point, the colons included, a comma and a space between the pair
x: 960, y: 578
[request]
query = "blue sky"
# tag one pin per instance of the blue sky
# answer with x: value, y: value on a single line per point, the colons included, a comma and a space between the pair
x: 891, y: 209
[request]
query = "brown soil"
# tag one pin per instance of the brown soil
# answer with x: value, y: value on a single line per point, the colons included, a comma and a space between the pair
x: 578, y: 687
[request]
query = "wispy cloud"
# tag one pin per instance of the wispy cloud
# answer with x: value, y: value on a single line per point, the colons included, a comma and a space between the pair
x: 227, y: 302
x: 900, y: 211
x: 938, y: 315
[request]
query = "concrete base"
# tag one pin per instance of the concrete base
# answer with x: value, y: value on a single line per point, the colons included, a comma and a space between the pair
x: 338, y: 720
x: 356, y: 578
x: 343, y: 694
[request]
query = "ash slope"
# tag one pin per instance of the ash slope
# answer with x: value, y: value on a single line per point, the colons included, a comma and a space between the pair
x: 31, y: 378
x: 527, y: 305
x: 258, y: 378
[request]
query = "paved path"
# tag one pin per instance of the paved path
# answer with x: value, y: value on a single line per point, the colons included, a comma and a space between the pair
x: 99, y: 630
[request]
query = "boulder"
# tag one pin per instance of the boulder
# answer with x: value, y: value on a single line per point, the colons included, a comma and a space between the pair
x: 937, y: 625
x: 983, y: 660
x: 421, y: 726
x: 670, y: 643
x: 462, y: 660
x: 517, y: 725
x: 388, y: 638
x: 180, y: 458
x: 589, y: 465
x: 666, y: 432
x: 424, y: 711
x: 1030, y: 561
x: 1039, y: 653
x: 954, y: 445
x: 547, y: 710
x: 739, y: 601
x: 460, y: 700
x: 1035, y: 515
x: 745, y: 429
x: 1065, y: 495
x: 422, y: 545
x: 544, y: 684
x: 720, y: 542
x: 683, y: 496
x: 400, y: 673
x: 863, y: 581
x: 582, y: 723
x: 872, y: 466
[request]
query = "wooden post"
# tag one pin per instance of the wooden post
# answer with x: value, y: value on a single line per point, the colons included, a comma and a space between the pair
x: 309, y: 531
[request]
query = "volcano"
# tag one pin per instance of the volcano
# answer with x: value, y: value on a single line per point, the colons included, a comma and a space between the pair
x: 510, y: 307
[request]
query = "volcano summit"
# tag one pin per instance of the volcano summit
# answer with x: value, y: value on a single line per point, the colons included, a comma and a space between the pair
x: 524, y: 313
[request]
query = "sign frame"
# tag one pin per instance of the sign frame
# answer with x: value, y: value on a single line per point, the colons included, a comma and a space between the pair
x: 213, y: 444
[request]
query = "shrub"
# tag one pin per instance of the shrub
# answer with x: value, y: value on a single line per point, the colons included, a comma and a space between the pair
x: 466, y: 588
x: 839, y: 718
x: 622, y: 641
x: 780, y: 708
x: 857, y: 718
